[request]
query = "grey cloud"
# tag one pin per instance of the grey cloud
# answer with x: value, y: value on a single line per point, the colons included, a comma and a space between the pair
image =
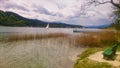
x: 79, y: 14
x: 3, y: 0
x: 16, y: 6
x: 57, y: 14
x: 43, y: 10
x: 60, y: 6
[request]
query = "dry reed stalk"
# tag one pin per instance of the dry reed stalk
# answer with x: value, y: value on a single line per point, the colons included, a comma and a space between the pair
x: 34, y: 36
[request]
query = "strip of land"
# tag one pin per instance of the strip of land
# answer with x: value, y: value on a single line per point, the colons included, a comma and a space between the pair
x: 99, y: 57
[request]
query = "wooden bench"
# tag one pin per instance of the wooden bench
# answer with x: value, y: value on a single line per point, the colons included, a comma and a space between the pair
x: 110, y: 52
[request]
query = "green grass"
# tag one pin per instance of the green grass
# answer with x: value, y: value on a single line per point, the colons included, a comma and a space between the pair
x: 84, y: 62
x: 88, y: 52
x: 118, y: 48
x: 91, y: 64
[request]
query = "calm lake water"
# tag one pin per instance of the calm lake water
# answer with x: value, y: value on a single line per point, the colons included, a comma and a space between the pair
x: 34, y: 30
x: 43, y: 53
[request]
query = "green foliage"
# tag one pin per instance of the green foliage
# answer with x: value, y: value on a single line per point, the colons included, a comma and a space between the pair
x: 10, y: 20
x: 116, y: 24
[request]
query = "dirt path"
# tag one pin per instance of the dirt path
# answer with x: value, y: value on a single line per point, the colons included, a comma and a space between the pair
x: 99, y: 57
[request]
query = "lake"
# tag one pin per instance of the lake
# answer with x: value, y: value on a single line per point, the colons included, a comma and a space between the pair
x: 33, y: 30
x: 36, y: 30
x: 42, y: 53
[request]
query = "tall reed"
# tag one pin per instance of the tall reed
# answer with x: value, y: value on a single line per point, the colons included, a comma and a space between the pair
x: 33, y: 36
x: 99, y: 39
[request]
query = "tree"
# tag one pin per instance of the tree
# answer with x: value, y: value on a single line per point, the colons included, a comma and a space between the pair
x: 20, y: 23
x: 117, y: 20
x: 99, y: 2
x: 10, y: 20
x: 115, y: 3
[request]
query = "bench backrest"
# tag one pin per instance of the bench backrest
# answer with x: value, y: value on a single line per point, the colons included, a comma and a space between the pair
x: 114, y: 48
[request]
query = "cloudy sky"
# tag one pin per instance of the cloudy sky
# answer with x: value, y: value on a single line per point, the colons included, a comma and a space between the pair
x: 67, y: 11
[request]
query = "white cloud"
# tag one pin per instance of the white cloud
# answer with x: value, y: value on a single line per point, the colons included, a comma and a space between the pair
x: 68, y: 11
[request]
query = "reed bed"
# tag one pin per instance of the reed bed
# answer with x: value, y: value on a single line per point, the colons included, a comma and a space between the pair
x: 18, y: 37
x: 93, y: 39
x: 118, y: 35
x: 99, y: 39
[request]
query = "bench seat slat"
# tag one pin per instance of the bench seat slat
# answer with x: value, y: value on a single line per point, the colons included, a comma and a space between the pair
x: 110, y: 52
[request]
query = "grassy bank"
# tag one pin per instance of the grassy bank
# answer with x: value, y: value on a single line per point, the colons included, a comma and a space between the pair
x: 98, y: 42
x: 84, y: 62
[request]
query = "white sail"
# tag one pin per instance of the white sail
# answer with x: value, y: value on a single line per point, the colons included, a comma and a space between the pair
x: 47, y: 26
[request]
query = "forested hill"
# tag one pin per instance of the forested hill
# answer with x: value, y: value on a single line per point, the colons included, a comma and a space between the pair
x: 13, y: 19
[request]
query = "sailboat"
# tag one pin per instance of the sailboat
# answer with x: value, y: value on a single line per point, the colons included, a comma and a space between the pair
x: 47, y: 26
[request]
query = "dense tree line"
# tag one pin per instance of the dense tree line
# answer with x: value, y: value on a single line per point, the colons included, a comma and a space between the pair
x: 13, y: 19
x: 10, y: 20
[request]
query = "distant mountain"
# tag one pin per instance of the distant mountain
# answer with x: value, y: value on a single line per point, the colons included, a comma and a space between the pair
x: 12, y: 19
x: 99, y: 26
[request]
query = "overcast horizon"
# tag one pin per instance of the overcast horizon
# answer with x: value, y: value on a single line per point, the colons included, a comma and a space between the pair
x: 65, y: 11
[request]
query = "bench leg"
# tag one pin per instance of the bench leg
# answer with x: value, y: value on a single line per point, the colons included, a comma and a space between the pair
x: 108, y: 57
